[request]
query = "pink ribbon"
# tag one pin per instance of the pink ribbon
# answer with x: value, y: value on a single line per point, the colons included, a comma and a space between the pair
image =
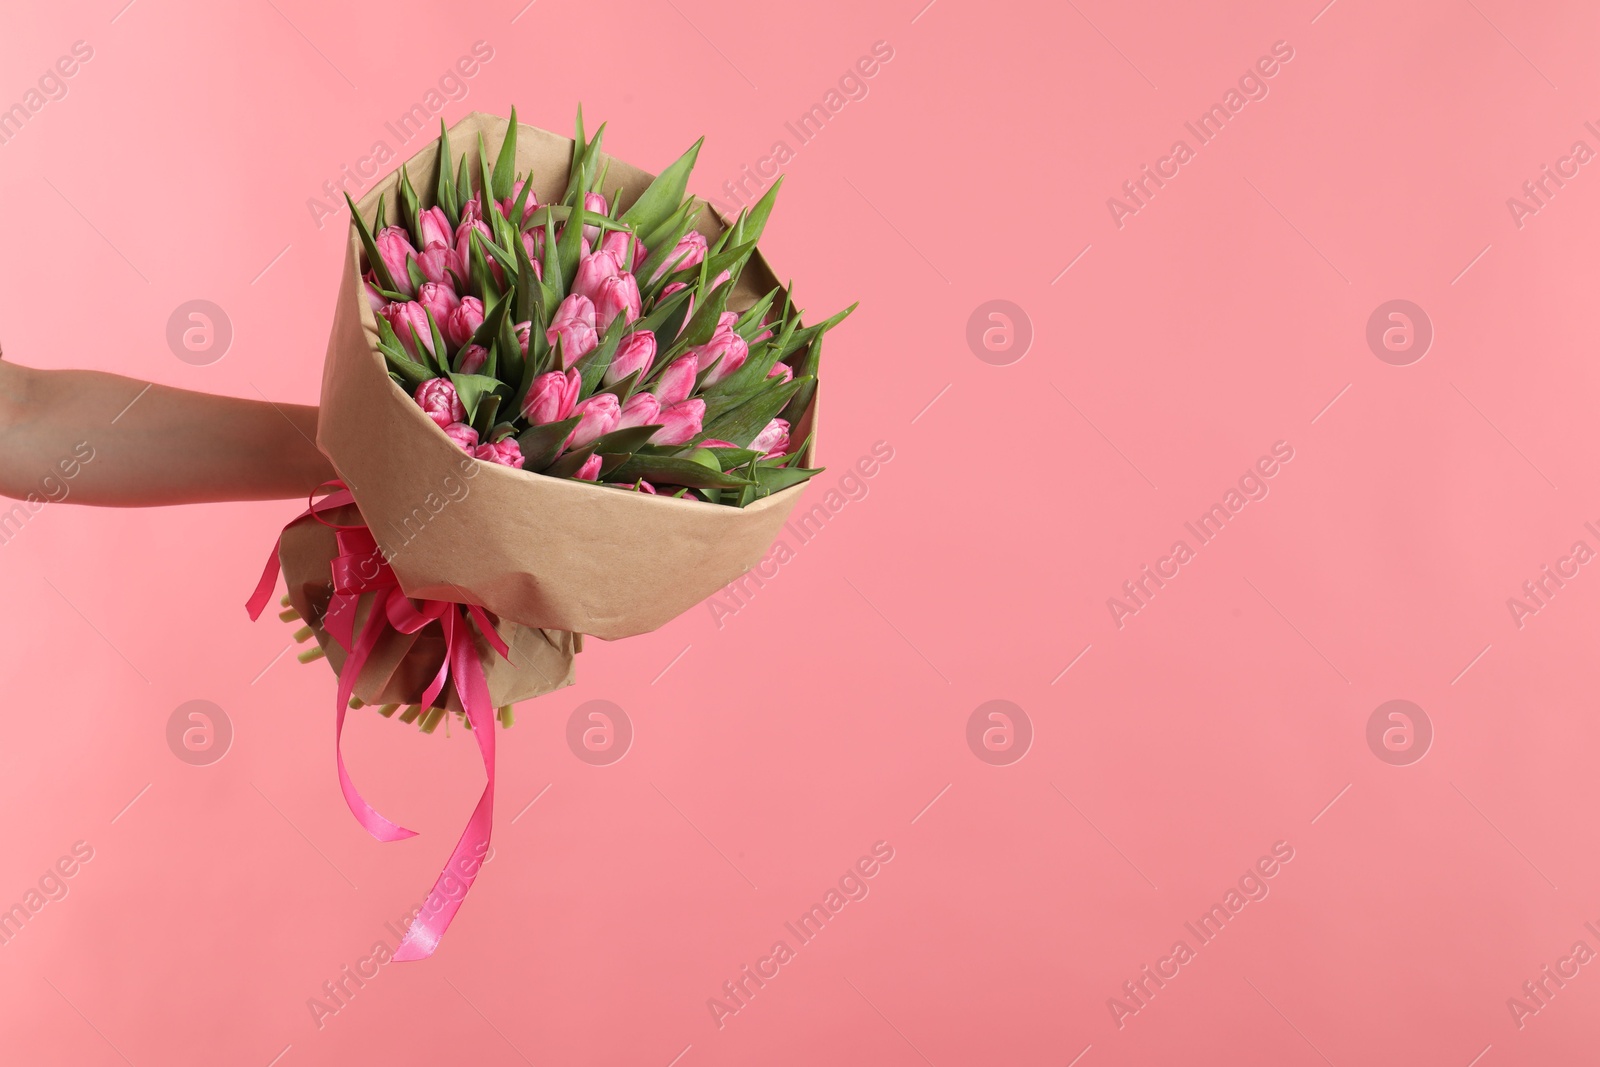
x: 360, y: 570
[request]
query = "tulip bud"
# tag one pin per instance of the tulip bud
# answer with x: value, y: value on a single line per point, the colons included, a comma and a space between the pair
x: 510, y: 202
x: 472, y: 359
x: 524, y: 331
x: 435, y: 228
x: 463, y: 435
x: 681, y: 423
x: 463, y: 322
x: 590, y: 471
x: 506, y: 453
x: 673, y: 287
x: 441, y: 301
x: 773, y: 440
x: 677, y: 381
x: 598, y: 416
x: 642, y: 409
x: 533, y: 244
x: 618, y: 296
x: 375, y: 298
x: 394, y: 248
x: 592, y: 271
x: 688, y: 252
x: 464, y: 242
x: 551, y: 397
x: 573, y: 326
x: 405, y: 318
x: 618, y: 243
x: 781, y: 370
x: 437, y: 399
x: 439, y: 263
x: 636, y: 352
x: 595, y: 204
x: 727, y: 348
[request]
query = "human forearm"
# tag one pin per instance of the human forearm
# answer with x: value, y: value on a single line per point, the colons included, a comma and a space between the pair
x: 149, y: 444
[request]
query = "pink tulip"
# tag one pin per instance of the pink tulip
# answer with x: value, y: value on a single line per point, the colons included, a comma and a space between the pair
x: 781, y: 370
x: 673, y: 287
x: 441, y: 301
x: 463, y: 322
x: 773, y: 440
x: 404, y: 318
x: 681, y: 423
x: 464, y: 240
x: 717, y: 442
x: 435, y: 228
x: 727, y: 348
x: 594, y: 203
x: 677, y: 381
x: 642, y: 409
x: 727, y: 320
x: 471, y: 211
x: 437, y: 399
x: 375, y: 298
x: 551, y: 397
x: 472, y: 358
x: 598, y: 416
x: 594, y: 270
x: 506, y: 453
x: 617, y: 242
x: 636, y: 352
x: 719, y: 279
x: 618, y: 296
x: 574, y: 328
x: 590, y: 471
x: 394, y: 248
x: 688, y: 252
x: 524, y: 332
x: 439, y: 263
x: 463, y: 435
x: 510, y: 202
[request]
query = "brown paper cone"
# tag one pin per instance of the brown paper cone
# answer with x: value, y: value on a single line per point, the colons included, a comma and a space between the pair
x: 549, y: 553
x: 402, y: 665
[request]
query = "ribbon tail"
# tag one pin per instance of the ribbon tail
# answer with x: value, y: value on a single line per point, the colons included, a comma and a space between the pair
x: 369, y: 818
x: 455, y: 881
x: 269, y: 581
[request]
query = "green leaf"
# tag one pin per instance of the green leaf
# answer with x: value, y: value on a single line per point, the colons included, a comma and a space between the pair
x: 520, y: 216
x: 482, y: 277
x: 777, y: 479
x: 664, y: 194
x: 755, y: 220
x: 704, y: 323
x: 593, y: 365
x: 674, y: 470
x: 489, y: 329
x: 540, y: 444
x: 374, y: 260
x: 440, y: 352
x: 473, y: 389
x: 463, y: 186
x: 509, y: 347
x: 569, y: 464
x: 414, y: 373
x: 444, y: 194
x: 732, y: 458
x: 414, y: 273
x: 806, y: 369
x: 570, y: 245
x: 505, y: 164
x: 555, y: 286
x: 410, y: 209
x: 743, y: 423
x: 629, y: 440
x: 527, y: 283
x: 487, y: 407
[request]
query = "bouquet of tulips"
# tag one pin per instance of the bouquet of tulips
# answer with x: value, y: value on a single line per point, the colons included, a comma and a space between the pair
x: 545, y: 369
x: 580, y: 340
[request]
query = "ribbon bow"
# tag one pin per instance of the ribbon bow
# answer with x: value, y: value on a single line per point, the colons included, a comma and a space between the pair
x: 360, y: 570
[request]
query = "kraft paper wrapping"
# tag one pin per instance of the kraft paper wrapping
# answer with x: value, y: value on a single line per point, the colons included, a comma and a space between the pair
x: 402, y: 665
x: 549, y: 553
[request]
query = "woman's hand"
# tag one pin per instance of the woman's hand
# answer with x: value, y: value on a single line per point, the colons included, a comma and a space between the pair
x: 97, y: 438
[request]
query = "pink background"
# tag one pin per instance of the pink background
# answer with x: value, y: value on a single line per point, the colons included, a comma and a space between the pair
x: 831, y: 711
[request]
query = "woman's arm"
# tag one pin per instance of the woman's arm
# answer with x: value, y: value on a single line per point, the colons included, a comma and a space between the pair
x: 97, y: 438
